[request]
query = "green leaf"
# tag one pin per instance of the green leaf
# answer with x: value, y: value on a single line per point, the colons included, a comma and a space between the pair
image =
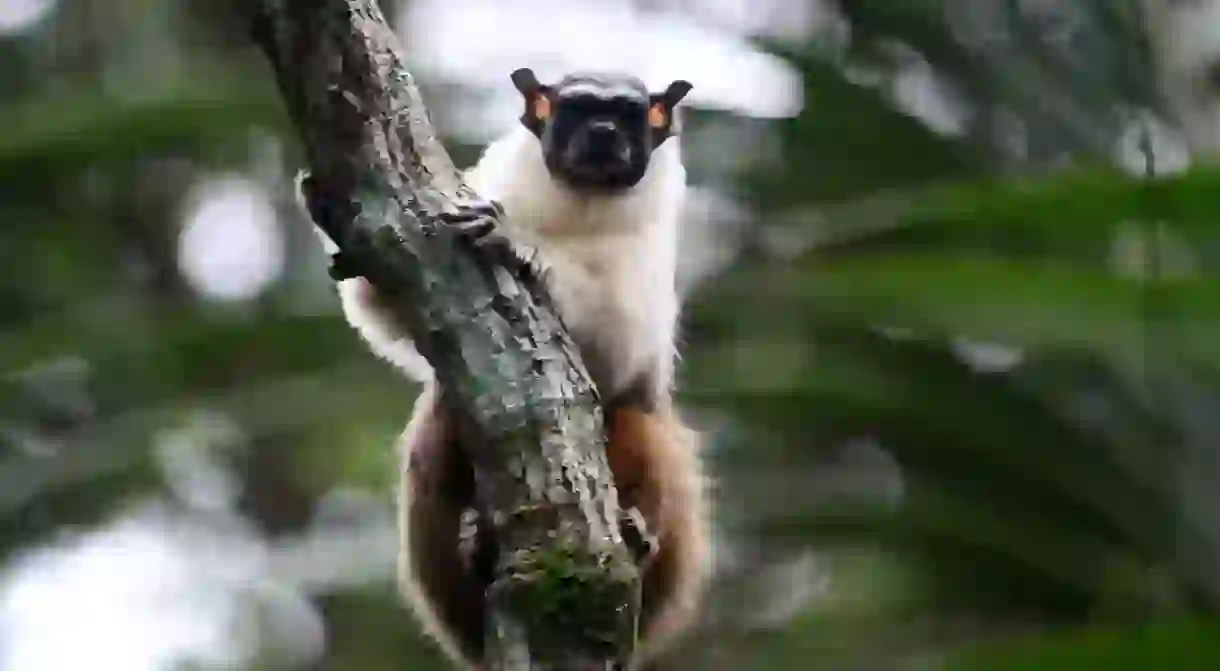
x: 47, y: 137
x: 1178, y: 645
x: 1074, y: 215
x: 1044, y: 305
x: 832, y: 150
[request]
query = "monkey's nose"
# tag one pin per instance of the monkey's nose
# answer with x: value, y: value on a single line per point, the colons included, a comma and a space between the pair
x: 601, y: 129
x: 602, y: 135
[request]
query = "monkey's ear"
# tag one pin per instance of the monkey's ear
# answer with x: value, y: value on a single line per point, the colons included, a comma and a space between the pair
x: 661, y: 108
x: 537, y: 99
x: 676, y: 91
x: 526, y: 81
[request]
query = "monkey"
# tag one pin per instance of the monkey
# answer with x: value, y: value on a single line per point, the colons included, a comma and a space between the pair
x: 592, y: 185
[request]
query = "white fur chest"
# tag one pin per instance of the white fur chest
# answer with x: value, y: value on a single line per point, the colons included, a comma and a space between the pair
x: 610, y: 261
x: 610, y: 303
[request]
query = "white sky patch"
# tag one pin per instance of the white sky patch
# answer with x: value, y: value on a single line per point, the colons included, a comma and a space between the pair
x: 922, y: 93
x: 784, y: 19
x: 19, y: 15
x: 789, y: 587
x: 231, y: 247
x: 987, y: 357
x: 496, y: 38
x: 164, y: 583
x: 147, y: 592
x: 710, y: 235
x: 190, y: 459
x: 1144, y: 250
x: 1169, y: 147
x: 1185, y: 37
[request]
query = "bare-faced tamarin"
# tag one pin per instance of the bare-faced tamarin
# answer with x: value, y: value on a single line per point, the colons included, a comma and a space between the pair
x: 592, y: 184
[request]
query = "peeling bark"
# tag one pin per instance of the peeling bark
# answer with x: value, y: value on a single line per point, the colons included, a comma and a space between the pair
x: 566, y: 594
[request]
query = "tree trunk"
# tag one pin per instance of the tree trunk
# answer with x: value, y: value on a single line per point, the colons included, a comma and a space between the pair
x: 566, y: 590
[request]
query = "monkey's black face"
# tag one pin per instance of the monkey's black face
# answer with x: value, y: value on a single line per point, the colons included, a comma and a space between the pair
x: 598, y: 138
x: 598, y: 131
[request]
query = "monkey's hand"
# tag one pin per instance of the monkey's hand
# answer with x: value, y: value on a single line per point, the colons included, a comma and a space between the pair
x: 476, y: 222
x: 312, y: 197
x: 341, y: 268
x: 474, y: 211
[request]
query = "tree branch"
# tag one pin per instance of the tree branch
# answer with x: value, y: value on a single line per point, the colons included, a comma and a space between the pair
x: 566, y: 589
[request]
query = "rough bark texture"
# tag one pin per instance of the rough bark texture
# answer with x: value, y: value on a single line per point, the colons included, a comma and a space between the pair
x: 566, y: 593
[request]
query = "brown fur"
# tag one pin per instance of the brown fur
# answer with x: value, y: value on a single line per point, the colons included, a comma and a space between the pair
x: 656, y: 467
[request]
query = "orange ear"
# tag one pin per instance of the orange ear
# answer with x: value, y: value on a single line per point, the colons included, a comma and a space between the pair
x: 542, y: 108
x: 657, y: 117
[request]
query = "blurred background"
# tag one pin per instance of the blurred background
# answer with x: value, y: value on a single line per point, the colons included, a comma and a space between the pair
x: 952, y: 330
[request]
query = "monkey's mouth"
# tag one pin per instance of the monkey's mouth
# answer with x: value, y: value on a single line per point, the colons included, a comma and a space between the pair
x: 599, y: 148
x: 595, y: 161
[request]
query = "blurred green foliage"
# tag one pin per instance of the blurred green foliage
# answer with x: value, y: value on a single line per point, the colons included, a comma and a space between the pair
x: 1028, y: 507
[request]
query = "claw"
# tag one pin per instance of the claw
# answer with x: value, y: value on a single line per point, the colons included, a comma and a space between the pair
x: 474, y: 211
x: 641, y: 542
x: 476, y: 222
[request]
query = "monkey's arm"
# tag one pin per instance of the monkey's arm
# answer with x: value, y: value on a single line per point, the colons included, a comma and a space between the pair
x: 365, y: 309
x: 442, y: 576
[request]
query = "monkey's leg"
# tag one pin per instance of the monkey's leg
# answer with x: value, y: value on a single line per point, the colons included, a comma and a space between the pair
x: 444, y: 582
x: 657, y: 470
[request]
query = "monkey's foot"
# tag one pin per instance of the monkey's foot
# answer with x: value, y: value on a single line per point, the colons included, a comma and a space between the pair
x: 636, y: 534
x: 341, y: 268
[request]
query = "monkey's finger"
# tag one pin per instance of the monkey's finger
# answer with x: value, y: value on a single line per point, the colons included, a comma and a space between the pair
x: 474, y: 211
x: 486, y: 208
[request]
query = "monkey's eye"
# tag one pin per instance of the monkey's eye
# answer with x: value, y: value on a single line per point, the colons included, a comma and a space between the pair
x: 629, y: 109
x: 629, y: 113
x: 592, y: 106
x: 634, y: 107
x: 585, y: 106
